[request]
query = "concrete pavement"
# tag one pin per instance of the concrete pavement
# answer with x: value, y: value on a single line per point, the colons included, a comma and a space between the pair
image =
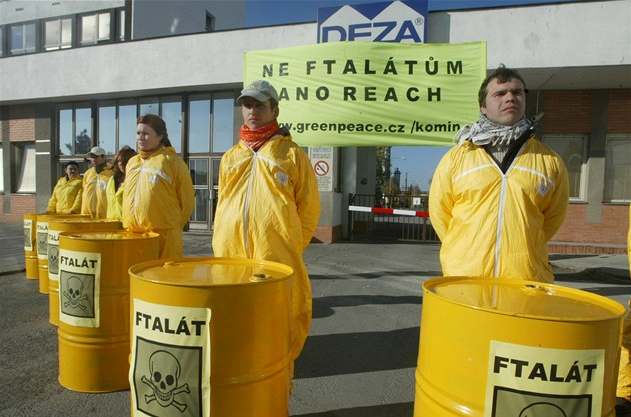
x: 358, y: 361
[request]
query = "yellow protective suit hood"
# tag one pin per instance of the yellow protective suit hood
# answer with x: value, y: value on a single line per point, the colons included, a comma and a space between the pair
x: 268, y: 209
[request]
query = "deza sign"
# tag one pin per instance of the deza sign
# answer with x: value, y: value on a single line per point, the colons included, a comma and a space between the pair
x: 396, y: 21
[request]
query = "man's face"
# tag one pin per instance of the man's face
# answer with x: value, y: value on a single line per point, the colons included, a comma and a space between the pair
x: 96, y: 160
x: 505, y: 103
x: 72, y: 171
x: 257, y: 114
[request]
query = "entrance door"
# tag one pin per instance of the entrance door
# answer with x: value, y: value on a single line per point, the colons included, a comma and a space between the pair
x: 205, y: 183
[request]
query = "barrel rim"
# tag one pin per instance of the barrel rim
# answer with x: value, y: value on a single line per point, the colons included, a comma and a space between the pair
x: 84, y: 220
x: 84, y: 236
x: 616, y: 309
x: 135, y: 270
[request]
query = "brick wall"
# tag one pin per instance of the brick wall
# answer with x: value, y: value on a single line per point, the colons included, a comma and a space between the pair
x: 619, y: 111
x: 21, y: 123
x: 567, y: 111
x: 612, y: 230
x: 20, y: 204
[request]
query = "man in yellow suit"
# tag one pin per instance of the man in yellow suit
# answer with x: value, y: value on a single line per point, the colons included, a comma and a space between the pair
x: 95, y: 181
x: 500, y: 194
x: 269, y: 204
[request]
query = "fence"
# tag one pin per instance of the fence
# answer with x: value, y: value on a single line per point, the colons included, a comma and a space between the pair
x: 404, y: 224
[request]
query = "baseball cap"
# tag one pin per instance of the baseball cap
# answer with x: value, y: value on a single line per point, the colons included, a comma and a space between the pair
x: 96, y: 151
x: 260, y: 90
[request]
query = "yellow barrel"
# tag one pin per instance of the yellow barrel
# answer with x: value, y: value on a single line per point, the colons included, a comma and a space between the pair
x: 512, y: 348
x: 210, y: 336
x: 42, y: 245
x: 30, y: 251
x: 93, y: 331
x: 55, y: 227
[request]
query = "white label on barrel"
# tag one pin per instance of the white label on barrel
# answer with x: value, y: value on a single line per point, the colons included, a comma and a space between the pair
x: 170, y: 371
x: 79, y: 288
x: 42, y: 240
x: 53, y: 255
x: 28, y: 231
x: 527, y: 381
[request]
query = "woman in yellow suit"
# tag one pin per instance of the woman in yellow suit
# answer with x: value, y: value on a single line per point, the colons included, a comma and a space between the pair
x: 158, y: 195
x: 116, y: 185
x: 66, y: 197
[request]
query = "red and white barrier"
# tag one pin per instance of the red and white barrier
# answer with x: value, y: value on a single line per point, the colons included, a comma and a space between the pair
x: 381, y: 210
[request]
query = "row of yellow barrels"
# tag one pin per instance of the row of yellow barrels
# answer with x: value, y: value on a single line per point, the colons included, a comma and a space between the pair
x: 177, y: 308
x: 210, y: 336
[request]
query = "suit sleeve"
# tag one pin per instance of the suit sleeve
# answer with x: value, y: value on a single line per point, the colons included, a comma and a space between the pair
x: 185, y: 191
x: 441, y: 198
x: 307, y: 197
x: 76, y: 205
x: 554, y: 214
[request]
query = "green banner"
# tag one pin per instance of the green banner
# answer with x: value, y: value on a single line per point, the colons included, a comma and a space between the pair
x: 373, y: 93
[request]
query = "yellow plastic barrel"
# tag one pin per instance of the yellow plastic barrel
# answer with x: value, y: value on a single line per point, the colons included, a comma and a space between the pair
x: 30, y: 251
x: 93, y: 330
x: 210, y: 336
x: 55, y: 228
x: 512, y: 348
x: 42, y: 245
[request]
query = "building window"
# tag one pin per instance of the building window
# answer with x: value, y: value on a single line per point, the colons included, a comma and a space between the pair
x: 121, y: 25
x: 573, y: 151
x: 618, y: 168
x: 107, y: 128
x: 127, y: 116
x: 58, y: 34
x: 199, y: 125
x: 23, y: 38
x: 1, y: 41
x: 171, y: 113
x: 74, y: 126
x: 222, y: 123
x: 25, y: 154
x: 95, y: 28
x: 1, y: 170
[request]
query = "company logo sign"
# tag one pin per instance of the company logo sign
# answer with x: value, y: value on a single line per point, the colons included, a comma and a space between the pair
x: 396, y: 21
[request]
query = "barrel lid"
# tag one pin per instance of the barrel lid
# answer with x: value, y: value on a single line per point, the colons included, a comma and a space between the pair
x: 527, y: 299
x: 100, y: 236
x: 85, y: 220
x: 210, y: 271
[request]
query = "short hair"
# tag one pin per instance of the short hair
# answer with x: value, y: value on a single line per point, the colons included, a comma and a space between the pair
x: 157, y: 124
x: 273, y: 103
x: 502, y: 74
x: 75, y: 163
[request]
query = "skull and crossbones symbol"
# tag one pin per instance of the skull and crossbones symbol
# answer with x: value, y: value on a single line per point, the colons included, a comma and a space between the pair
x: 165, y: 374
x: 74, y: 294
x: 53, y: 255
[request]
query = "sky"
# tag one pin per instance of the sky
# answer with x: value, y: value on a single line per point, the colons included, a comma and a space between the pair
x: 273, y: 12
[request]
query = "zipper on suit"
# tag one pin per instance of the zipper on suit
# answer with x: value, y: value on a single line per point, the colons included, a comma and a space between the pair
x: 246, y: 205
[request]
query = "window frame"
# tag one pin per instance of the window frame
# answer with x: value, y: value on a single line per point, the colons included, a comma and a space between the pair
x: 97, y: 41
x: 23, y: 50
x: 59, y: 46
x: 612, y: 137
x: 582, y: 197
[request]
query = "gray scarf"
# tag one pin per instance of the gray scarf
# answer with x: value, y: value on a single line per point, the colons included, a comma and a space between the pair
x: 486, y: 132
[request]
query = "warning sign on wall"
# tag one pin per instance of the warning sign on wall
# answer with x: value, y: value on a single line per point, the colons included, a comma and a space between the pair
x: 322, y: 163
x: 526, y: 381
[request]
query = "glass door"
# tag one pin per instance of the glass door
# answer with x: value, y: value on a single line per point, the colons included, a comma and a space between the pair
x: 206, y: 185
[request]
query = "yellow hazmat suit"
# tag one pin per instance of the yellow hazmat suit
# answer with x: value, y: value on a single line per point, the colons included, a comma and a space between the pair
x: 493, y: 224
x: 624, y: 373
x: 268, y: 209
x: 158, y: 197
x: 66, y: 197
x: 94, y: 198
x: 114, y: 199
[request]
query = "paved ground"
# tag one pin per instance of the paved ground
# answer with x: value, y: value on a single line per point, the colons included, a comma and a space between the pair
x: 360, y: 357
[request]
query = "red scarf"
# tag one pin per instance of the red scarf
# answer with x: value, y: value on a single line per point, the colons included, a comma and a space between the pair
x: 255, y: 138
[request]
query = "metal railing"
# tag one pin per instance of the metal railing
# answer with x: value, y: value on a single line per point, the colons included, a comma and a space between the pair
x: 370, y: 226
